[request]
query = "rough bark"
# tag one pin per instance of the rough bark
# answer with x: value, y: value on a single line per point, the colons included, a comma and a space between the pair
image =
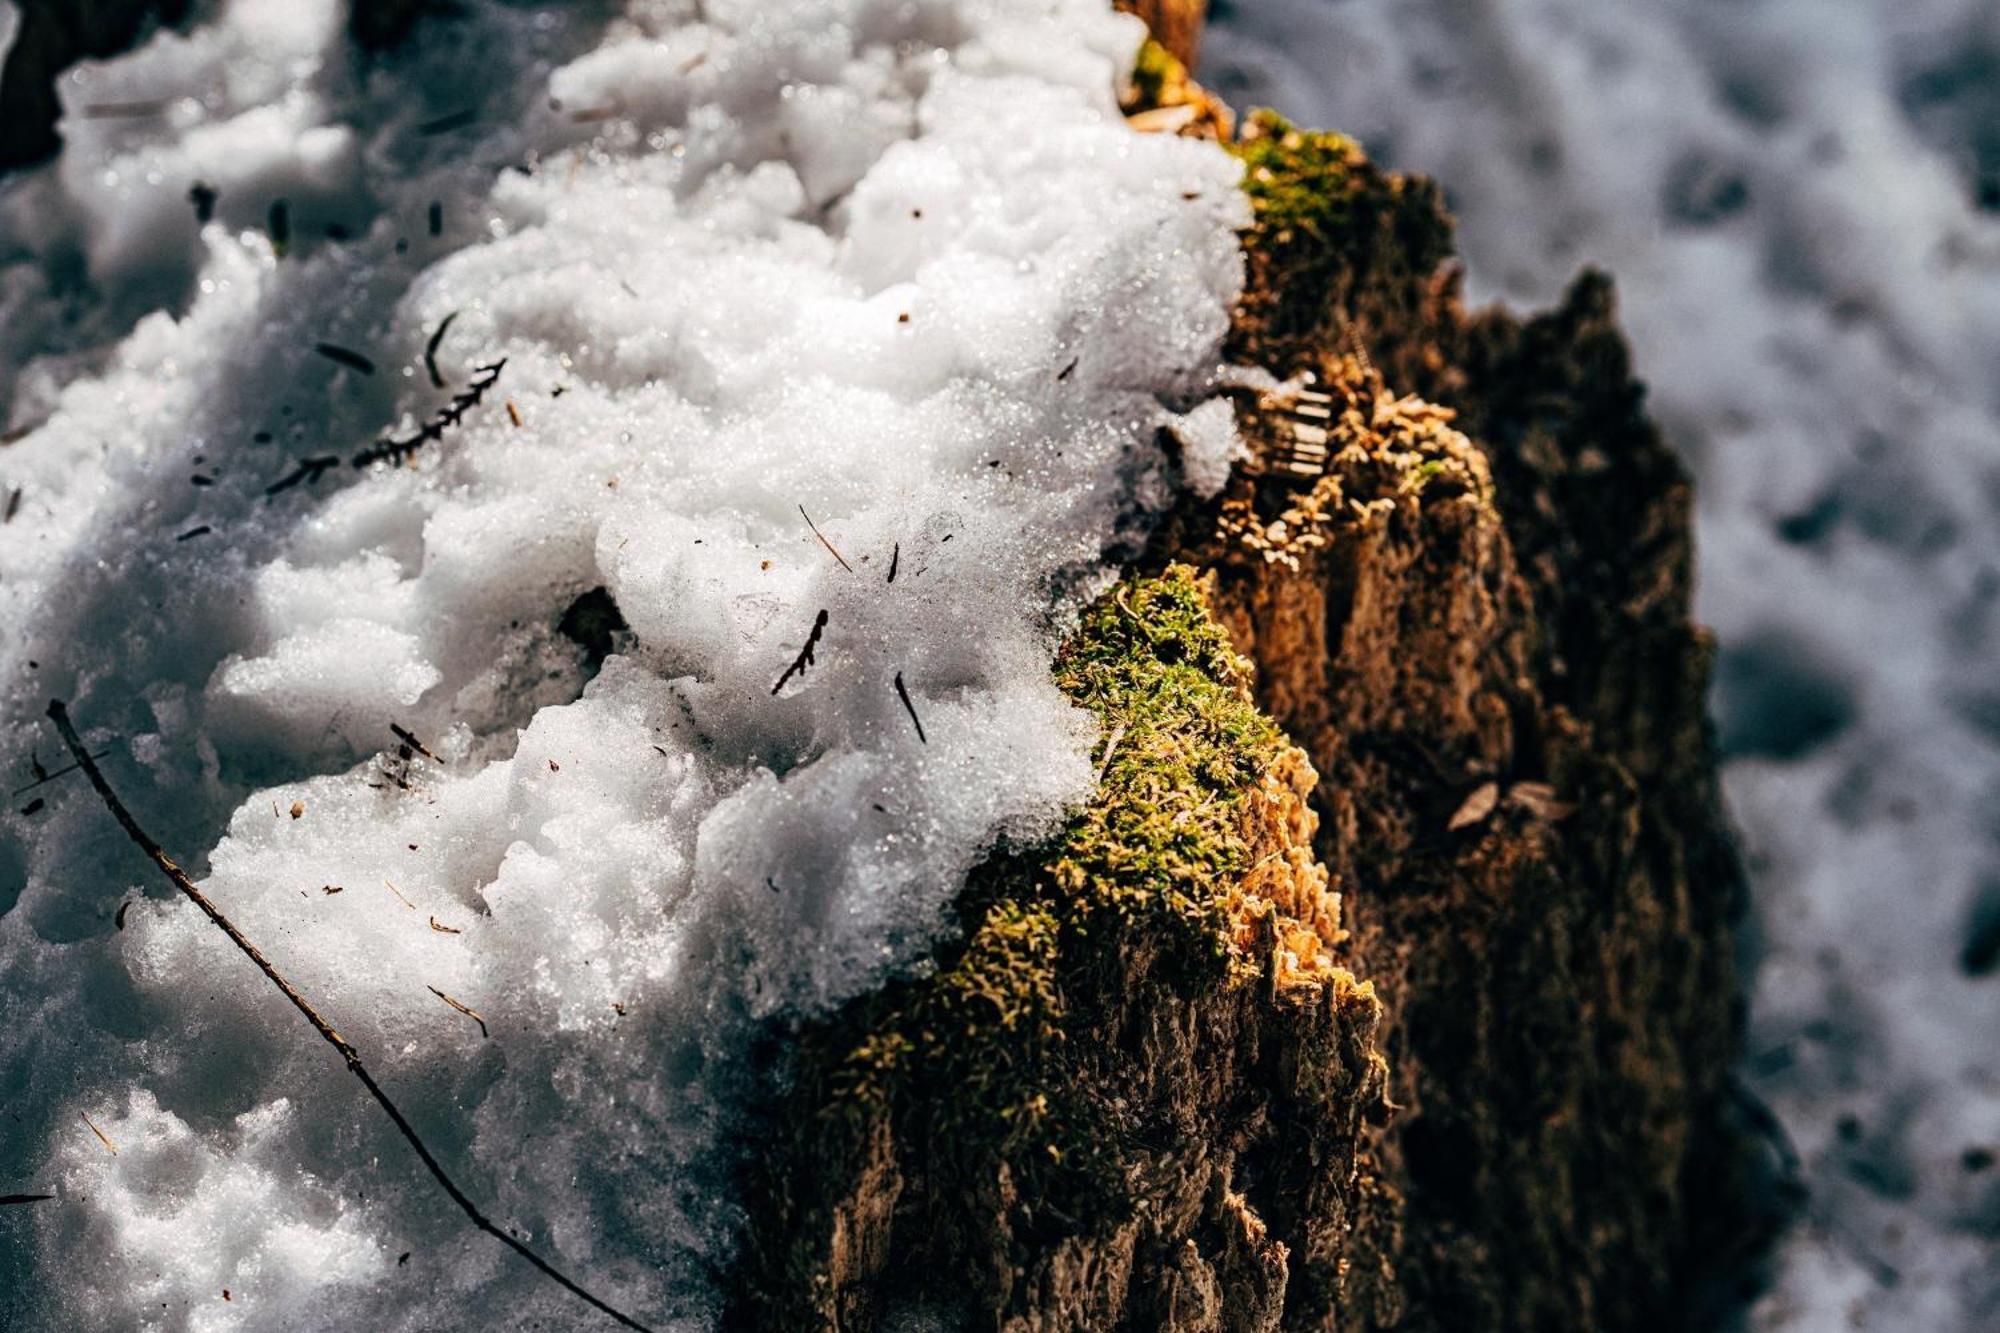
x: 1459, y: 568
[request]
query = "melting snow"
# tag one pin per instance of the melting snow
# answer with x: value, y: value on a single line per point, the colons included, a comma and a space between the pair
x: 825, y: 258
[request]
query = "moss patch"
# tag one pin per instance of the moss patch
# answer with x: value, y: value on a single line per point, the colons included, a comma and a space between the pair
x: 1333, y: 232
x: 976, y: 1048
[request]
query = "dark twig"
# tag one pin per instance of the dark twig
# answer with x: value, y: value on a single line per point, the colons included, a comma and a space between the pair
x: 8, y: 1200
x: 465, y: 1009
x: 895, y: 559
x: 308, y: 470
x: 344, y: 356
x: 59, y: 713
x: 410, y: 740
x: 805, y: 657
x: 910, y: 708
x: 43, y: 776
x: 431, y: 350
x: 823, y: 541
x: 451, y: 120
x: 395, y: 451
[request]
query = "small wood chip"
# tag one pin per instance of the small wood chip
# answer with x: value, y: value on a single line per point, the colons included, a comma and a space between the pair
x: 1477, y: 806
x: 1538, y: 799
x: 330, y: 889
x: 298, y: 809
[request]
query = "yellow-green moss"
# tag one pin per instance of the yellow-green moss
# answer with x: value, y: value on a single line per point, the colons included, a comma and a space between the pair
x: 1153, y: 73
x: 1329, y: 224
x: 1157, y: 850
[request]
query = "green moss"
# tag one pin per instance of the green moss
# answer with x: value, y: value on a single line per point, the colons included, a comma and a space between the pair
x: 1331, y: 229
x: 1153, y: 73
x: 975, y: 1052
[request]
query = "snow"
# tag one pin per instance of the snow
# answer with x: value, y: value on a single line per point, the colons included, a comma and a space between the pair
x: 789, y: 297
x: 1798, y: 202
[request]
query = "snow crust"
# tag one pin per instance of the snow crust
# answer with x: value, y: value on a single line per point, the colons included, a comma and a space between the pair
x: 868, y: 312
x: 1798, y: 201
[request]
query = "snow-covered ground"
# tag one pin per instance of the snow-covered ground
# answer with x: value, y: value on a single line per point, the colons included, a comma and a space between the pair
x: 1801, y: 202
x: 831, y: 337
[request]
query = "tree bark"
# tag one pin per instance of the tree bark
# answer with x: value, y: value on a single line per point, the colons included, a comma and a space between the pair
x: 1481, y: 1079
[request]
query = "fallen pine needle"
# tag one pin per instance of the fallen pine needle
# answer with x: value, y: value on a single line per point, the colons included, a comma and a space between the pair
x: 7, y: 1200
x: 1110, y: 748
x: 823, y: 541
x: 443, y: 929
x: 59, y: 714
x: 100, y: 1134
x: 465, y: 1009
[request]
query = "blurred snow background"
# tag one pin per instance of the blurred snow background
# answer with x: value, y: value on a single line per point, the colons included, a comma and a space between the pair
x: 1800, y: 200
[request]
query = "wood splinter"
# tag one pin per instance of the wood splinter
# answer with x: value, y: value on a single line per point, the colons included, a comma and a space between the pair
x: 59, y: 714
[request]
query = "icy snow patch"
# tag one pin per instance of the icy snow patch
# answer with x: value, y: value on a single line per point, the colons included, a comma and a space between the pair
x: 875, y: 310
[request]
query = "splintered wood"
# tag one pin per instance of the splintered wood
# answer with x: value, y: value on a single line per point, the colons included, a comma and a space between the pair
x: 1289, y: 434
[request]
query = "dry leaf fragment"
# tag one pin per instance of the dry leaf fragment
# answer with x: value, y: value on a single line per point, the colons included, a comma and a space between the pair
x: 1476, y: 807
x: 298, y: 809
x: 444, y: 929
x: 1539, y: 800
x: 1164, y: 119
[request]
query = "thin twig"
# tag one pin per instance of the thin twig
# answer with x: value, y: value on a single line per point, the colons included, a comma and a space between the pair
x: 805, y: 657
x: 465, y: 1009
x: 823, y: 541
x: 410, y: 740
x: 431, y: 350
x: 910, y: 708
x: 59, y: 713
x: 51, y: 777
x: 398, y: 450
x: 109, y: 1145
x: 8, y: 1200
